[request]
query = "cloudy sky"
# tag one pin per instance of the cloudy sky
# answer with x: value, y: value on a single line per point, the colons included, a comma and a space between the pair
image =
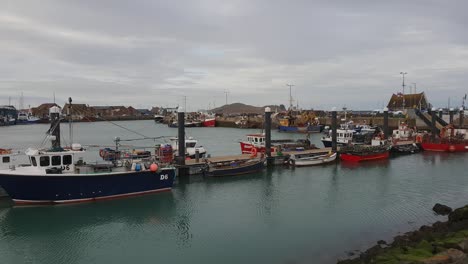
x: 146, y: 53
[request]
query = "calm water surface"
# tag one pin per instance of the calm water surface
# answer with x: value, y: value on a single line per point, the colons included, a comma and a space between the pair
x: 302, y: 215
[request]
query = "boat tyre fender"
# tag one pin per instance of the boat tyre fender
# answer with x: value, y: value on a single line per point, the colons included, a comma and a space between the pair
x: 101, y: 153
x: 292, y: 162
x: 418, y: 139
x: 253, y: 152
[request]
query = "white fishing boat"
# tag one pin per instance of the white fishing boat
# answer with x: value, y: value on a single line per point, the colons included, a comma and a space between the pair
x: 311, y: 159
x: 191, y: 147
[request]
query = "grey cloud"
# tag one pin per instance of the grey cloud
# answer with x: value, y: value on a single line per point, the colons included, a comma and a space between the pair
x: 155, y: 52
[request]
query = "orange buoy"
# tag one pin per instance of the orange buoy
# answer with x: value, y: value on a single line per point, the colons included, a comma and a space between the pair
x: 154, y: 167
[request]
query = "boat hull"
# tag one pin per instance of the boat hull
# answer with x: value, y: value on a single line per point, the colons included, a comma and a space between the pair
x: 234, y: 171
x: 75, y: 188
x: 368, y: 157
x: 328, y: 143
x: 247, y: 148
x: 405, y: 149
x: 444, y: 147
x: 321, y: 160
x: 304, y: 129
x: 209, y: 122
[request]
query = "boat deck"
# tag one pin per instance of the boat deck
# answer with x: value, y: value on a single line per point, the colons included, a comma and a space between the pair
x: 193, y: 162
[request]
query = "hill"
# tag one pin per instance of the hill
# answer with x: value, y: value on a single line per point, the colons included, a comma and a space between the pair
x: 240, y: 108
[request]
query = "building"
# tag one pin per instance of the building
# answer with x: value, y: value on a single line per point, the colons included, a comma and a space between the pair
x: 116, y: 111
x: 145, y: 112
x: 408, y: 101
x: 79, y: 112
x: 42, y: 111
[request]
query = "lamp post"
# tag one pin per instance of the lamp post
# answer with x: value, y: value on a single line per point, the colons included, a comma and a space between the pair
x: 290, y: 96
x: 403, y: 74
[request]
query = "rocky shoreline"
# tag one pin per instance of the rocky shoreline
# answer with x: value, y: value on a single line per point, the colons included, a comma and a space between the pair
x: 441, y: 243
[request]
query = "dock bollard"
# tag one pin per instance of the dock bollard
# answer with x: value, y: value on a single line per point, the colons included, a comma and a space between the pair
x: 460, y: 119
x: 197, y: 155
x: 433, y: 124
x: 333, y: 127
x: 268, y: 136
x: 183, y: 171
x: 451, y: 116
x: 385, y: 123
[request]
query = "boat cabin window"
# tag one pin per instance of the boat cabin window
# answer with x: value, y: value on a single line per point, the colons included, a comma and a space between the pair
x: 33, y: 161
x: 6, y: 159
x: 190, y: 145
x: 67, y: 159
x: 256, y: 139
x: 56, y: 160
x: 44, y: 161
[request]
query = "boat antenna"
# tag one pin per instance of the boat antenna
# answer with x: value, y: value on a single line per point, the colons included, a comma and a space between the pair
x: 70, y: 119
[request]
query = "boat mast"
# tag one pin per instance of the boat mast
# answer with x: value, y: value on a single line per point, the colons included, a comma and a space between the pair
x: 55, y: 126
x: 70, y: 119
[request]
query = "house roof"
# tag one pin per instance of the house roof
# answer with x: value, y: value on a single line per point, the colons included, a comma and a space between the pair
x: 411, y: 100
x: 77, y: 108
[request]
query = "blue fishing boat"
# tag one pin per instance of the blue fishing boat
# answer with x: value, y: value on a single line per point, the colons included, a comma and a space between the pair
x: 59, y: 175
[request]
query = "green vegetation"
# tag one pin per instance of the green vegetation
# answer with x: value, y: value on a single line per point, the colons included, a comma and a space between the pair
x: 422, y: 250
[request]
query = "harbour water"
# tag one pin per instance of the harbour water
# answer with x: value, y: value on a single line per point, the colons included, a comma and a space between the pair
x: 302, y: 215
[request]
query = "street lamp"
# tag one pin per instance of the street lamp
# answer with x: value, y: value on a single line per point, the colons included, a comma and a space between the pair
x: 403, y: 74
x: 290, y: 95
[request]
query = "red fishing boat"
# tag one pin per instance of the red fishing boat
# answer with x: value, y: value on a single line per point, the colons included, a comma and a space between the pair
x: 209, y: 122
x: 379, y: 149
x: 449, y: 140
x: 257, y: 142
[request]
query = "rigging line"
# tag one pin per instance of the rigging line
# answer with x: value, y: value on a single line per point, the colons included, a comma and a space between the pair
x: 48, y: 134
x: 128, y: 129
x: 145, y: 138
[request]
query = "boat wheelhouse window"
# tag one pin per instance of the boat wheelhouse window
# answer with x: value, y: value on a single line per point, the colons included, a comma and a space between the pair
x: 44, y: 161
x: 56, y: 160
x: 67, y: 159
x: 256, y: 139
x: 191, y: 145
x: 33, y: 161
x: 6, y: 159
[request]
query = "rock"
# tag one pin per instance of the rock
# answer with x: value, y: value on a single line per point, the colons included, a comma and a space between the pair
x: 441, y: 209
x: 464, y: 245
x: 438, y: 259
x: 455, y: 255
x: 381, y: 242
x: 459, y: 214
x: 450, y: 256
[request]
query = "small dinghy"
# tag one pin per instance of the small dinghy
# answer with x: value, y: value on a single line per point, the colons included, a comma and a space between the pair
x: 311, y: 160
x: 234, y: 167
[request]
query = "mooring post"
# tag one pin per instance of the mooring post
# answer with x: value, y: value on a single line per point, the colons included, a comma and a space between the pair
x: 433, y: 124
x: 333, y: 127
x: 460, y: 119
x: 451, y: 116
x: 197, y: 155
x: 181, y: 142
x: 54, y: 130
x: 441, y: 113
x: 268, y: 136
x: 385, y: 122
